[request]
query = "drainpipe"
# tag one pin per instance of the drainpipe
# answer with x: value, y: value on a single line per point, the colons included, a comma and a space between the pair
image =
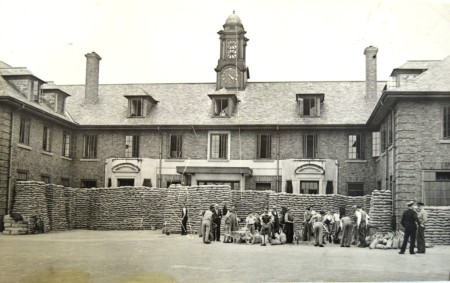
x: 160, y: 157
x: 9, y: 178
x: 278, y: 160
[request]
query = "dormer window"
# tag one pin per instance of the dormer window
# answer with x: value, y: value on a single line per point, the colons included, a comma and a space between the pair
x: 24, y: 81
x: 310, y: 104
x: 136, y: 107
x: 140, y: 105
x: 223, y: 104
x: 53, y: 97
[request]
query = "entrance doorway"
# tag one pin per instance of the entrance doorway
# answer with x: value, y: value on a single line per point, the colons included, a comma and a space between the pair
x: 125, y: 182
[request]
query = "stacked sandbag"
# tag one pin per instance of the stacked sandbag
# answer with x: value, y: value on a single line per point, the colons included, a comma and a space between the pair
x: 154, y: 200
x: 381, y: 210
x: 30, y: 200
x: 82, y: 204
x: 437, y: 228
x: 13, y: 227
x: 56, y: 207
x: 250, y: 201
x: 70, y: 207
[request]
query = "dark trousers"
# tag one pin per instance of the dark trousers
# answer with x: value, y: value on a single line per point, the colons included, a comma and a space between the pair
x: 410, y: 233
x: 217, y: 230
x: 421, y: 239
x: 289, y: 228
x: 183, y: 226
x: 362, y: 234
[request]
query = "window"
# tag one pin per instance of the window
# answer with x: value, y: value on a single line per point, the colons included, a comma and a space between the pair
x: 310, y: 104
x: 390, y: 131
x: 221, y: 107
x: 45, y: 179
x: 66, y: 145
x: 147, y: 183
x: 22, y: 175
x: 65, y: 182
x: 60, y: 103
x: 309, y: 187
x: 88, y: 183
x: 355, y: 148
x: 109, y: 182
x: 90, y: 146
x: 443, y: 176
x: 263, y: 186
x: 379, y: 185
x: 264, y: 149
x: 376, y: 146
x: 219, y: 146
x: 383, y: 137
x: 46, y: 139
x: 289, y: 186
x: 309, y: 107
x: 176, y: 145
x: 125, y: 182
x: 132, y: 146
x: 355, y: 189
x: 136, y: 107
x: 330, y: 188
x: 446, y: 117
x: 234, y: 185
x: 24, y: 134
x: 309, y: 146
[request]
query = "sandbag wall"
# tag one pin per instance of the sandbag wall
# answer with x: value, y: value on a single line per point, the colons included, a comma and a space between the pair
x: 30, y: 199
x: 381, y: 210
x: 437, y: 229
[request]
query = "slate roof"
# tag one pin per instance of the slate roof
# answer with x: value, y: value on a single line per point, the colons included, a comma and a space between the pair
x: 262, y: 103
x: 436, y: 78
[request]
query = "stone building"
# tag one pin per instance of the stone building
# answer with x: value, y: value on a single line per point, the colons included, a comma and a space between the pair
x: 307, y: 137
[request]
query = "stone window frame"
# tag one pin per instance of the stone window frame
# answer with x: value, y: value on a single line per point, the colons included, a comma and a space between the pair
x: 136, y: 110
x: 310, y: 104
x: 268, y: 147
x: 358, y: 153
x: 175, y: 146
x: 47, y: 134
x: 306, y: 146
x: 22, y: 175
x: 226, y: 147
x: 358, y: 191
x: 132, y: 146
x: 25, y: 130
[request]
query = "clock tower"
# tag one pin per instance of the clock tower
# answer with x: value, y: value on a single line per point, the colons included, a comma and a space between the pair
x: 232, y: 73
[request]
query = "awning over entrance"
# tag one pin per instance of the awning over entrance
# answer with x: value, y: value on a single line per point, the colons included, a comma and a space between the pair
x: 214, y: 170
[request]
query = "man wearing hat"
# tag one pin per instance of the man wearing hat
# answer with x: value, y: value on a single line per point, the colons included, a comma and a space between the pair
x: 289, y: 226
x: 423, y: 217
x: 409, y: 220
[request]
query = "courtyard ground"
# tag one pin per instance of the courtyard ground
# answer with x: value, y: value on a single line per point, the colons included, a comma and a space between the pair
x: 149, y: 256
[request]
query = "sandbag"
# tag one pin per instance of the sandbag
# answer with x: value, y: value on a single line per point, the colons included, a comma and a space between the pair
x: 380, y: 246
x: 389, y: 244
x: 373, y: 243
x: 283, y: 238
x: 395, y: 243
x: 275, y: 242
x: 257, y: 239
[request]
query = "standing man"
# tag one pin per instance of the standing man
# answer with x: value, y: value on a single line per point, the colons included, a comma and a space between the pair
x: 206, y: 224
x: 217, y: 219
x: 422, y: 215
x: 184, y: 219
x: 289, y: 226
x: 306, y: 224
x: 361, y: 224
x: 409, y: 220
x: 266, y: 220
x: 328, y: 221
x: 276, y: 221
x: 336, y: 224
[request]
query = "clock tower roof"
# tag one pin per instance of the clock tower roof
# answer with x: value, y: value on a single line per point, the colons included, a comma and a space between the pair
x: 233, y: 20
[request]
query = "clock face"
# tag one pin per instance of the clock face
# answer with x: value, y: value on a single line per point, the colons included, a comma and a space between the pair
x: 230, y: 77
x: 231, y: 49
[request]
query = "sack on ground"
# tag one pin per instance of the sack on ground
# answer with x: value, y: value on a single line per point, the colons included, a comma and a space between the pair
x: 282, y: 238
x: 373, y: 243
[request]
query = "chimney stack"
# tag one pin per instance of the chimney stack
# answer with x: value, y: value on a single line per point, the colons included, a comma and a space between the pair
x: 92, y: 73
x: 371, y: 73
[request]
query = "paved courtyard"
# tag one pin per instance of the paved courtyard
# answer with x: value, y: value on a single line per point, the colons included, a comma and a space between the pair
x: 149, y: 256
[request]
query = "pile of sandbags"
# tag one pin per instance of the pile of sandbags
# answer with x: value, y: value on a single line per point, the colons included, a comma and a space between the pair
x: 381, y: 210
x: 14, y: 227
x: 30, y: 200
x: 247, y: 202
x: 385, y: 241
x: 437, y: 229
x: 82, y: 204
x: 56, y: 207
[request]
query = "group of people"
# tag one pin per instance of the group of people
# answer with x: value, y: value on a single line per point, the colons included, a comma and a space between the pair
x: 270, y: 223
x: 414, y: 219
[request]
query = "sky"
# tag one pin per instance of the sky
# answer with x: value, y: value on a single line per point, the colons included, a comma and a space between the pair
x: 174, y: 41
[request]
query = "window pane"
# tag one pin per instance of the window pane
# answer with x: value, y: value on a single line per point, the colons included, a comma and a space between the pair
x: 175, y: 146
x: 309, y: 187
x: 90, y: 146
x: 355, y: 189
x: 354, y: 147
x: 447, y: 122
x: 264, y: 146
x: 219, y: 146
x: 309, y: 146
x: 376, y: 146
x: 66, y: 144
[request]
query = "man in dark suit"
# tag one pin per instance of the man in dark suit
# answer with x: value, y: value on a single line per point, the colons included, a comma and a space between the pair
x: 217, y: 218
x: 184, y: 219
x: 409, y: 220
